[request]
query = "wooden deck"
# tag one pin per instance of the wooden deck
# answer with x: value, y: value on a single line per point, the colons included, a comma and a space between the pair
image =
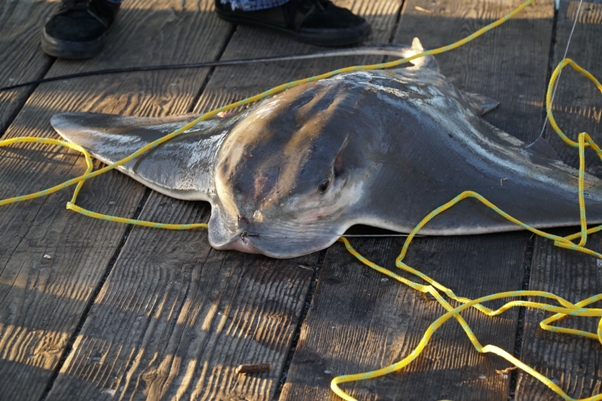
x: 92, y: 310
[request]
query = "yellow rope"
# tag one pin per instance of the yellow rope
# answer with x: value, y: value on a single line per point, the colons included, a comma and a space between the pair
x: 561, y: 311
x: 434, y: 288
x: 48, y: 191
x: 277, y: 89
x: 564, y: 308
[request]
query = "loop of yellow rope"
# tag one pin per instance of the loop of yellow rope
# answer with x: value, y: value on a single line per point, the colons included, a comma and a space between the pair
x: 56, y: 188
x: 551, y: 85
x: 435, y: 289
x: 566, y: 309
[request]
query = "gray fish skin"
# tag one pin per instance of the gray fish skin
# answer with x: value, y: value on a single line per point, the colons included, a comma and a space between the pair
x: 289, y: 175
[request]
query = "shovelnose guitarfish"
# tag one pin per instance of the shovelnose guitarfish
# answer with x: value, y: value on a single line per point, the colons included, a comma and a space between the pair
x: 289, y: 175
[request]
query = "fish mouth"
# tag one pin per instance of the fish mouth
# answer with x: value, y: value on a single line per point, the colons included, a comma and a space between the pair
x: 241, y: 243
x: 224, y: 236
x: 279, y: 241
x: 272, y: 245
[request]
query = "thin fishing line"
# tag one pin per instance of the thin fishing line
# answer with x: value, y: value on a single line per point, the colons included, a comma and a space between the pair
x: 374, y: 49
x: 566, y: 51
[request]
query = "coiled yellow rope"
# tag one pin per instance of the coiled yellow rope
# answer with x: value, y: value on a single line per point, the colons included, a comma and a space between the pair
x: 432, y: 287
x: 48, y: 191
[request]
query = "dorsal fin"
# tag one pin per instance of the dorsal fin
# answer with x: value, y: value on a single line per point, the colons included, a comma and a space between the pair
x: 427, y: 62
x: 417, y: 45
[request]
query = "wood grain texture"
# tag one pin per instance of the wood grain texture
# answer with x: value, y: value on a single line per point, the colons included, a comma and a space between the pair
x: 572, y: 362
x: 51, y: 260
x: 21, y: 25
x: 359, y: 322
x: 576, y: 104
x: 175, y: 318
x: 211, y: 347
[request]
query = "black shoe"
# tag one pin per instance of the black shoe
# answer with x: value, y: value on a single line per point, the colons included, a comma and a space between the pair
x: 318, y: 22
x: 78, y: 29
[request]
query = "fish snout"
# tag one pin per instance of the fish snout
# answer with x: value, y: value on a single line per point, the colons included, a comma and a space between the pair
x: 238, y: 236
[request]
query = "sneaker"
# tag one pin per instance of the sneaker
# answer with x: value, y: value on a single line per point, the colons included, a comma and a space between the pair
x: 317, y: 22
x: 78, y: 29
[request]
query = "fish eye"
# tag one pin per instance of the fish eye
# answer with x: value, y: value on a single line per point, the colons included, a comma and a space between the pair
x: 324, y: 185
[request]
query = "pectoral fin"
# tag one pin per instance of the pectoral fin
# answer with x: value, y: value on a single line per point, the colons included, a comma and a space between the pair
x: 181, y: 168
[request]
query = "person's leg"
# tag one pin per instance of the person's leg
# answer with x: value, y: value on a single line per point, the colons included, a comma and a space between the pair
x: 77, y: 28
x: 318, y: 22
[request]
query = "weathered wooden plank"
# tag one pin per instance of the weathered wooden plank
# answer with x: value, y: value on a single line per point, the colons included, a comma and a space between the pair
x: 22, y: 59
x: 360, y: 321
x: 42, y: 299
x: 226, y: 308
x: 572, y: 362
x: 175, y: 318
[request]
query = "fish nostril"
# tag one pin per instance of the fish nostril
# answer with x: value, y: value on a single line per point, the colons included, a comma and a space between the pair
x: 245, y: 234
x: 243, y: 219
